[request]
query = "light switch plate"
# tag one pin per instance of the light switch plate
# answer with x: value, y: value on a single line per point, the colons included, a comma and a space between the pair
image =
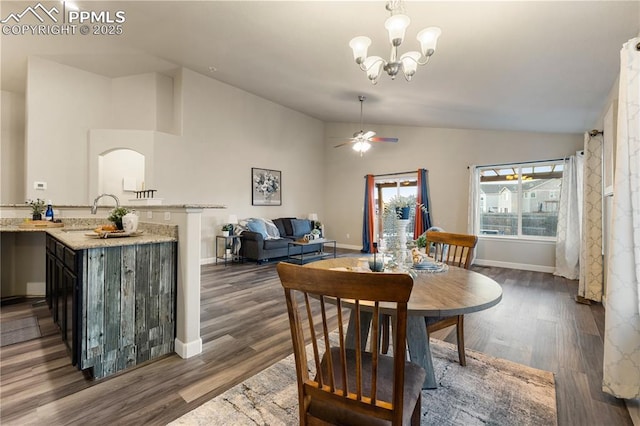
x: 149, y: 214
x: 167, y: 215
x: 40, y: 185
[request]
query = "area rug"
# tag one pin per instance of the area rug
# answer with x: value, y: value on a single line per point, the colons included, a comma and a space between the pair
x: 487, y: 391
x: 18, y: 330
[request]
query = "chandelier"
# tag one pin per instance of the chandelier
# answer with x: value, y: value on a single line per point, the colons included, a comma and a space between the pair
x: 396, y: 25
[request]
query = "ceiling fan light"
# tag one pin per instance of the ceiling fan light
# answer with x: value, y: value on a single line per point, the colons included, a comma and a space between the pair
x: 373, y: 65
x: 410, y: 63
x: 428, y: 39
x: 361, y: 146
x: 360, y: 45
x: 397, y: 25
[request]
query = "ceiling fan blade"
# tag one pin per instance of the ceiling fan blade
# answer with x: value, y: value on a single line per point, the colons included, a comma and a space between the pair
x: 380, y: 139
x: 345, y: 143
x: 369, y: 134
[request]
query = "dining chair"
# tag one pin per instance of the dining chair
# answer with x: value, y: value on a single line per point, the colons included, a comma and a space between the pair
x: 456, y: 250
x: 355, y: 386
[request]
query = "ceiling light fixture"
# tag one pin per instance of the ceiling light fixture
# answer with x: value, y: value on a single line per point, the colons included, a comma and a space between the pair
x: 396, y: 25
x: 361, y: 146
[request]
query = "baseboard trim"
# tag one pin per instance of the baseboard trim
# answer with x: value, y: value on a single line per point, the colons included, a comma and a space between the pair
x: 187, y: 350
x: 207, y: 260
x: 348, y: 246
x: 510, y: 265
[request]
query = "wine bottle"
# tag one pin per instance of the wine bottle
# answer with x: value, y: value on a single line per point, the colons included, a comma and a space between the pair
x: 49, y: 213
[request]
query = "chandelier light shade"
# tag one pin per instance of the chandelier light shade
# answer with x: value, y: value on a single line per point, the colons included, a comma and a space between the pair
x: 428, y: 39
x: 396, y: 26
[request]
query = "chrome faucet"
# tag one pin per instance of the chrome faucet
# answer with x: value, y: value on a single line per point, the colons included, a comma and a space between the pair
x: 94, y: 208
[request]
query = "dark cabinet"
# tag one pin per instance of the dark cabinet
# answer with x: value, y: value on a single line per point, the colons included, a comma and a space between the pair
x: 114, y: 305
x: 62, y: 271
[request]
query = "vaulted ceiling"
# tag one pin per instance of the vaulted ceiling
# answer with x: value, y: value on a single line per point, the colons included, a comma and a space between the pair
x: 535, y: 66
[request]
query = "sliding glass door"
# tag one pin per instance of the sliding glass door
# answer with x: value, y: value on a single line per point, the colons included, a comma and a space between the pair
x: 393, y: 191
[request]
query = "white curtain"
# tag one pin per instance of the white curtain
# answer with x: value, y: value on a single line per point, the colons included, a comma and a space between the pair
x: 622, y: 323
x: 568, y: 233
x: 591, y: 274
x: 473, y: 227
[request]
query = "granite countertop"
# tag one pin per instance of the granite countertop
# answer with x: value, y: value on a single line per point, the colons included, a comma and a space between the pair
x: 74, y: 233
x: 79, y: 239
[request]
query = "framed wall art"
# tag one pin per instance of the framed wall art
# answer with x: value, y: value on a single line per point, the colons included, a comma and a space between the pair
x: 266, y: 187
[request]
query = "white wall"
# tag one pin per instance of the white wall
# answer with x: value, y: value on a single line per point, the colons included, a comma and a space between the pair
x: 134, y: 102
x: 12, y: 142
x: 63, y: 103
x: 143, y: 102
x: 227, y: 131
x: 446, y: 153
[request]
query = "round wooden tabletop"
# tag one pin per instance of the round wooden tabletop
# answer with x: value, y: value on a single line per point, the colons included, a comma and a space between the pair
x: 457, y: 291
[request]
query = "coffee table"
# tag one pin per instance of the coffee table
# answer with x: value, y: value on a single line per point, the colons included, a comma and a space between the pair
x: 299, y: 257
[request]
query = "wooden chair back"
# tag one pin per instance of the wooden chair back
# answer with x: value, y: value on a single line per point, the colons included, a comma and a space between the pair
x: 347, y: 384
x: 453, y: 249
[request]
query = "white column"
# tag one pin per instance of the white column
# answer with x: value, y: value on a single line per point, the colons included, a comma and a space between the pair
x: 188, y: 342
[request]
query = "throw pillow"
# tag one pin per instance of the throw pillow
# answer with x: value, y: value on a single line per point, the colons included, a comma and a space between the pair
x: 272, y: 230
x: 280, y: 224
x: 258, y: 227
x: 287, y: 225
x: 301, y: 227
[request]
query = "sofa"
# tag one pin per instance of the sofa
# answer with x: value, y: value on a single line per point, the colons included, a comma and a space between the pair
x: 264, y: 240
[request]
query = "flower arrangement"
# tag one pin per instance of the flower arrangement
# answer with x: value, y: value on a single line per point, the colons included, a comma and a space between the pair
x: 116, y: 216
x: 37, y: 206
x: 266, y: 183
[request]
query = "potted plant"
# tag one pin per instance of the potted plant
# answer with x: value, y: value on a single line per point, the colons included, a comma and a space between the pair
x: 227, y: 229
x: 421, y: 242
x: 37, y: 208
x: 317, y: 226
x: 402, y: 206
x: 116, y: 216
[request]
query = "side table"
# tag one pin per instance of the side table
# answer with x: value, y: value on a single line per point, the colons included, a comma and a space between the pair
x: 228, y: 242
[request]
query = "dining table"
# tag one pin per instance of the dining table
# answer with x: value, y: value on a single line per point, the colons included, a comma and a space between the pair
x: 452, y: 291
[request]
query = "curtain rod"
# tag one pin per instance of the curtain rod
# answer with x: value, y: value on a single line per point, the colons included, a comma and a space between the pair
x: 522, y: 162
x: 393, y: 174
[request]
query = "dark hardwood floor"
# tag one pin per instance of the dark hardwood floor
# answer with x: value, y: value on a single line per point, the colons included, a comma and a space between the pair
x: 245, y: 329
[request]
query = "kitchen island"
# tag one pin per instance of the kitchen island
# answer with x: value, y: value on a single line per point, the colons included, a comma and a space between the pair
x: 114, y: 299
x: 22, y: 274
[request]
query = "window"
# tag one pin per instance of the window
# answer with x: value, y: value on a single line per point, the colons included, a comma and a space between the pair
x: 520, y: 200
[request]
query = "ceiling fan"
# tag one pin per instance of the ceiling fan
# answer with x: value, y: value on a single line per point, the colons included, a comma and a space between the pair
x: 361, y: 140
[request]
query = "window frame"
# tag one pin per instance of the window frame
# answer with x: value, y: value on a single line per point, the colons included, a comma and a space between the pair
x: 517, y: 172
